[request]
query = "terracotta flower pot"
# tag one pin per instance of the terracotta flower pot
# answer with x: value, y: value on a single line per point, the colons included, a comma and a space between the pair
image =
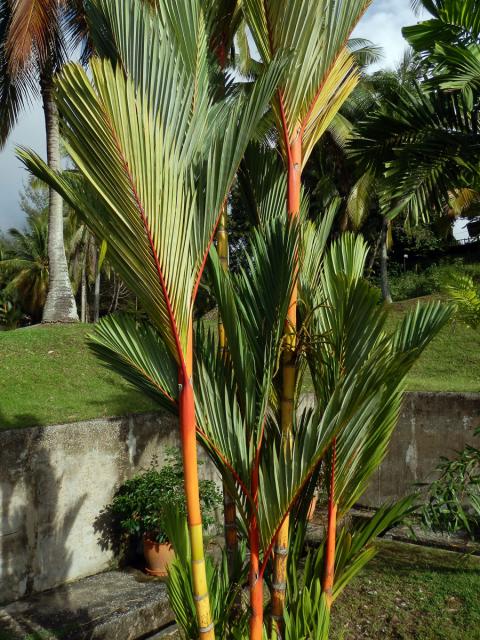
x: 158, y: 556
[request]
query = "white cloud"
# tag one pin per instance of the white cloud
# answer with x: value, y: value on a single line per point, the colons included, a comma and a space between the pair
x: 383, y: 23
x: 29, y: 132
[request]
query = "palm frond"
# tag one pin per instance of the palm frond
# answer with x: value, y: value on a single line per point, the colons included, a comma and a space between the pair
x: 356, y: 359
x: 155, y: 164
x: 458, y: 69
x: 321, y: 71
x: 33, y: 30
x: 452, y: 21
x: 15, y: 88
x: 359, y: 200
x: 356, y: 548
x: 136, y: 351
x: 428, y: 145
x: 262, y: 183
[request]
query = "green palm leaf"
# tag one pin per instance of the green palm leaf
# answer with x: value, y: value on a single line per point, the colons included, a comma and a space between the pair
x: 161, y: 180
x: 321, y: 71
x: 136, y: 351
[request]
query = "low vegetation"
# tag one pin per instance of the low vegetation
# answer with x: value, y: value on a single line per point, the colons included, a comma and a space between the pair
x: 431, y: 280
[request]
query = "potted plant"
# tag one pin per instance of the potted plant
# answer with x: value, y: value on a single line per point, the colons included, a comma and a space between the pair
x: 143, y: 503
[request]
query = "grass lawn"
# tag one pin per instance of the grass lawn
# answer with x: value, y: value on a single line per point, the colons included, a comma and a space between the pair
x: 450, y: 363
x: 48, y: 375
x: 411, y: 593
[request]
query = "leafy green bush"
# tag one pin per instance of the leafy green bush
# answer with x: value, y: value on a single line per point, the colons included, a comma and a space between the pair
x: 143, y: 504
x: 453, y: 501
x: 465, y: 293
x: 432, y: 280
x: 413, y: 285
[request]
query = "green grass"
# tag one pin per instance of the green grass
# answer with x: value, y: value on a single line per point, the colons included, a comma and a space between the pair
x: 450, y: 363
x: 49, y: 376
x: 411, y: 593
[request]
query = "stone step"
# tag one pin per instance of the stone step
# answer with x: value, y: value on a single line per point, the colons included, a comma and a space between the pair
x: 170, y: 633
x: 116, y: 605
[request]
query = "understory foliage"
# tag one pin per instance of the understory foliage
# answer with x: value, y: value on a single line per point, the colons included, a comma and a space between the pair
x: 142, y: 504
x: 458, y: 281
x: 156, y: 151
x: 453, y: 500
x: 465, y: 293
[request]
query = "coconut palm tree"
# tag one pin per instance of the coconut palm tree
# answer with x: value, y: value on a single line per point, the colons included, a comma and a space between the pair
x: 156, y: 157
x: 25, y: 266
x: 428, y: 139
x: 33, y: 47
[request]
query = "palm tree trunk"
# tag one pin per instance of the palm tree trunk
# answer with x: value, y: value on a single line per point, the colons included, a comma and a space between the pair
x: 256, y: 577
x: 60, y: 304
x: 190, y: 469
x: 116, y: 298
x: 374, y: 253
x: 331, y: 541
x: 287, y: 406
x: 384, y: 263
x: 96, y: 303
x: 83, y: 297
x: 222, y: 249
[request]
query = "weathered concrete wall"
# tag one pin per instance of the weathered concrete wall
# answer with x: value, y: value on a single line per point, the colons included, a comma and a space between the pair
x: 54, y: 483
x: 431, y: 425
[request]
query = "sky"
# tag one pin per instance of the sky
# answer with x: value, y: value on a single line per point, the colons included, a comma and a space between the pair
x: 381, y: 24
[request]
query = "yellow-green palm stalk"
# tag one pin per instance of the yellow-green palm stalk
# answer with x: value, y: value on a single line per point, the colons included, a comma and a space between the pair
x: 155, y: 158
x: 321, y: 75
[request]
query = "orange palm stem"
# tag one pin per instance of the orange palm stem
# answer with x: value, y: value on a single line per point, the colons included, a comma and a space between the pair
x: 329, y: 573
x: 287, y: 406
x: 256, y: 577
x: 190, y: 466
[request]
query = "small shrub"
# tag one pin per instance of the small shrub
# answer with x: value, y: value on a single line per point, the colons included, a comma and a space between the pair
x: 431, y: 280
x: 465, y: 293
x: 414, y: 285
x: 142, y: 504
x: 453, y: 501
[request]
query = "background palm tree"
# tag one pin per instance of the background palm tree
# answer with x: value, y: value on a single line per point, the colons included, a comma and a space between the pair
x: 34, y: 38
x: 428, y: 139
x: 85, y: 260
x: 25, y: 265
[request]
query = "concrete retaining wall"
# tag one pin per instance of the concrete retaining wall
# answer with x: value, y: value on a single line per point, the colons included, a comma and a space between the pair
x: 431, y: 425
x: 55, y: 481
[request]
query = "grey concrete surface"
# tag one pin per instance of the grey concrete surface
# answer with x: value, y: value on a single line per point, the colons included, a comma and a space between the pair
x: 109, y: 606
x: 431, y: 425
x: 54, y: 483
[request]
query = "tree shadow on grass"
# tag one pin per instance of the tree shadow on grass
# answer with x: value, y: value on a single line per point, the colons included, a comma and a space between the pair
x: 405, y: 558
